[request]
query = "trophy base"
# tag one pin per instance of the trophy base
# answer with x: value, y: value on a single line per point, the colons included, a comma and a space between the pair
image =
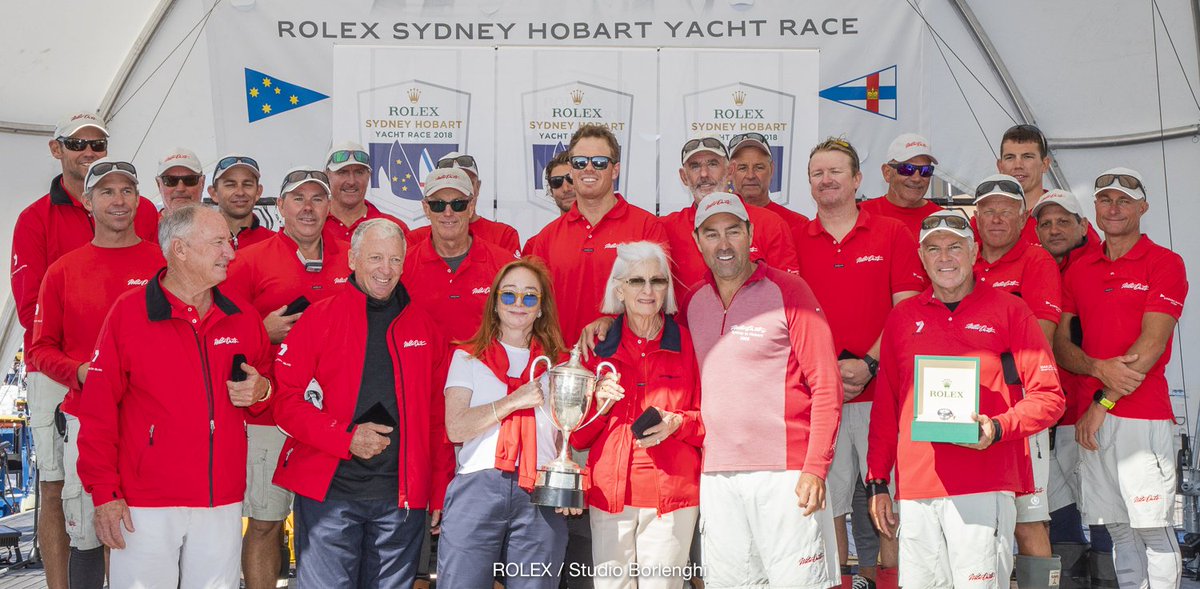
x: 556, y: 488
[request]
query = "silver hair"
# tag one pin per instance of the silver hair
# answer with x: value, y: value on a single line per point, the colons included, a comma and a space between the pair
x: 177, y: 224
x: 387, y: 226
x: 628, y: 256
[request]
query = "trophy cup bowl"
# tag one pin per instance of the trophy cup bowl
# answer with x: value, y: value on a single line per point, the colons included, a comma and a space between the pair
x: 560, y: 483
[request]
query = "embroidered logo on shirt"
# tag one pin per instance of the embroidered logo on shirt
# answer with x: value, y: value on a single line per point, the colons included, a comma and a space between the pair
x: 220, y: 341
x: 1047, y: 368
x: 611, y: 246
x: 136, y: 282
x: 482, y: 290
x: 864, y: 259
x: 980, y: 328
x: 415, y: 343
x: 282, y: 349
x: 1006, y: 284
x: 1135, y: 286
x: 340, y: 280
x: 1170, y: 300
x: 920, y: 326
x: 1053, y: 306
x: 745, y: 332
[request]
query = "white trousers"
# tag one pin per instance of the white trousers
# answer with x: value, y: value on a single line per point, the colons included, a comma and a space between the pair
x: 638, y: 539
x: 964, y: 541
x: 184, y: 547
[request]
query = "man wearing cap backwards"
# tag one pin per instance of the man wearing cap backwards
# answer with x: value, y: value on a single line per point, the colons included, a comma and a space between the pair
x: 293, y: 264
x: 348, y: 166
x: 1128, y: 296
x: 47, y: 229
x: 450, y: 273
x: 751, y: 171
x: 908, y: 171
x: 559, y: 185
x: 368, y: 453
x: 771, y: 407
x: 76, y: 294
x: 704, y: 171
x: 859, y: 266
x: 580, y: 246
x: 236, y: 189
x: 162, y: 439
x: 180, y: 179
x: 957, y: 500
x: 1067, y: 236
x: 1006, y: 262
x: 500, y: 234
x: 1025, y: 156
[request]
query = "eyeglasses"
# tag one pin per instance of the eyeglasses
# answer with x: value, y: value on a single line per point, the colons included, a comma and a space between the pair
x: 638, y: 282
x: 172, y: 181
x: 75, y: 144
x: 463, y: 161
x: 709, y: 142
x: 299, y: 175
x: 439, y: 206
x: 232, y: 161
x: 599, y: 162
x: 528, y: 299
x: 346, y: 155
x: 740, y: 137
x: 952, y: 221
x: 1124, y: 179
x: 906, y: 169
x: 556, y: 182
x: 106, y: 167
x: 1004, y: 185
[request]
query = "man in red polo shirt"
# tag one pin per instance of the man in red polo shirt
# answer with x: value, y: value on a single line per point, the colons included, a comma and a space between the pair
x: 500, y: 234
x: 1006, y: 262
x: 859, y: 266
x: 47, y: 229
x: 1128, y: 296
x: 580, y: 246
x: 751, y: 169
x: 296, y: 264
x: 908, y: 170
x: 704, y: 171
x: 76, y: 294
x: 1025, y: 156
x: 559, y: 184
x: 236, y: 189
x: 180, y: 179
x: 957, y: 499
x: 348, y: 166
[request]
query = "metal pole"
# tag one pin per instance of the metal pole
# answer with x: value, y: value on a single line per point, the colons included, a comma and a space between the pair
x: 1127, y: 139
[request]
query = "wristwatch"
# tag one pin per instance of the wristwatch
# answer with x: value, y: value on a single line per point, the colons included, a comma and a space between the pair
x: 1103, y: 401
x: 872, y: 364
x: 876, y: 487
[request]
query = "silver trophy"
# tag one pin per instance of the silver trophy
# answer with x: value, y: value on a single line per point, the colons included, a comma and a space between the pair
x: 560, y: 483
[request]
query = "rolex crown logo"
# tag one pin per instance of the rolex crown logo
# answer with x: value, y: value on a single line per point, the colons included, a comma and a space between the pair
x: 739, y: 98
x: 577, y: 96
x: 414, y: 95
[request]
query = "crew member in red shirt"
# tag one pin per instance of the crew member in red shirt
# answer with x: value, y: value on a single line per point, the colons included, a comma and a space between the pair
x: 279, y: 277
x: 1025, y: 156
x: 47, y: 229
x: 162, y: 438
x: 348, y: 166
x: 450, y: 272
x: 76, y: 294
x: 957, y: 500
x: 236, y: 189
x: 704, y: 171
x: 500, y: 234
x: 859, y: 266
x: 580, y: 246
x: 560, y: 186
x: 752, y: 171
x: 180, y: 179
x: 908, y: 171
x: 1128, y: 296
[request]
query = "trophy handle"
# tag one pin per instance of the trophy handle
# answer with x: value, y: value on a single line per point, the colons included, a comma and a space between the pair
x: 607, y: 404
x: 532, y: 367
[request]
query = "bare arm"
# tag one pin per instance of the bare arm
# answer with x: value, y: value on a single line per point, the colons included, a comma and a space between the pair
x: 464, y: 422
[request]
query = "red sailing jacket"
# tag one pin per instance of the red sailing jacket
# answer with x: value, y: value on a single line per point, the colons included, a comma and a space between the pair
x: 328, y: 344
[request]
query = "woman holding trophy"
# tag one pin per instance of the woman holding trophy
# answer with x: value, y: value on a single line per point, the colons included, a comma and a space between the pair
x: 645, y: 447
x: 500, y: 415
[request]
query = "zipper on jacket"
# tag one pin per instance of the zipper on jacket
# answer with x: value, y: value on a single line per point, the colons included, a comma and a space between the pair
x: 212, y: 422
x: 402, y: 404
x: 288, y: 456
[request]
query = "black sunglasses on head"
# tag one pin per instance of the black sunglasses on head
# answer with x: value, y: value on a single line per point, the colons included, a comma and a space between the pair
x: 463, y: 161
x: 299, y: 175
x: 1124, y: 179
x: 1004, y: 185
x: 76, y: 144
x: 951, y: 221
x: 709, y: 142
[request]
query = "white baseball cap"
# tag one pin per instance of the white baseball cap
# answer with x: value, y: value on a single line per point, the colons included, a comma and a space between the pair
x: 471, y: 165
x: 317, y: 177
x: 180, y: 156
x: 455, y: 178
x: 72, y: 123
x: 1001, y: 185
x: 701, y: 143
x: 348, y: 153
x: 720, y: 202
x: 1116, y: 178
x: 105, y: 166
x: 949, y: 220
x: 908, y: 146
x: 1061, y: 198
x: 737, y: 142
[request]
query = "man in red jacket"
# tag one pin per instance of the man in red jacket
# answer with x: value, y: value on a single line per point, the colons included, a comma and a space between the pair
x: 48, y: 228
x: 162, y: 441
x: 368, y: 453
x: 957, y: 500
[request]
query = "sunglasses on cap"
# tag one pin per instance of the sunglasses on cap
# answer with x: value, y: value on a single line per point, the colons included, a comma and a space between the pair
x: 1032, y: 130
x: 76, y: 144
x: 556, y: 182
x: 346, y: 155
x: 463, y: 161
x: 1004, y: 185
x: 232, y: 161
x: 709, y: 142
x: 299, y: 175
x: 457, y: 205
x: 638, y: 282
x: 106, y: 167
x: 740, y: 137
x: 1124, y: 179
x: 599, y: 162
x: 172, y: 181
x: 955, y: 222
x: 906, y: 169
x: 528, y: 299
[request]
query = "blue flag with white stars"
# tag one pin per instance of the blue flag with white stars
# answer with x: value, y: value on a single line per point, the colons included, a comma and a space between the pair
x: 268, y: 96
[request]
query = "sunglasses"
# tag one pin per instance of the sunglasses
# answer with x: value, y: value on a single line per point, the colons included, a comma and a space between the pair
x: 709, y: 142
x: 638, y: 282
x: 232, y: 161
x: 528, y: 299
x: 106, y: 167
x: 74, y: 144
x: 556, y: 182
x: 905, y: 169
x: 599, y: 162
x: 740, y: 137
x: 299, y: 175
x: 172, y: 181
x: 1004, y: 185
x: 952, y: 221
x: 1124, y: 179
x: 463, y: 161
x: 439, y: 206
x: 346, y: 155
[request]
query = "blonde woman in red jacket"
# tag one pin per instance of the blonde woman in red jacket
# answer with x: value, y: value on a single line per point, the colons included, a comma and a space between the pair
x: 645, y: 491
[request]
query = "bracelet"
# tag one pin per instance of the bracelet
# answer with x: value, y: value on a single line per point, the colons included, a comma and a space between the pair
x: 876, y: 487
x: 494, y: 414
x: 270, y: 390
